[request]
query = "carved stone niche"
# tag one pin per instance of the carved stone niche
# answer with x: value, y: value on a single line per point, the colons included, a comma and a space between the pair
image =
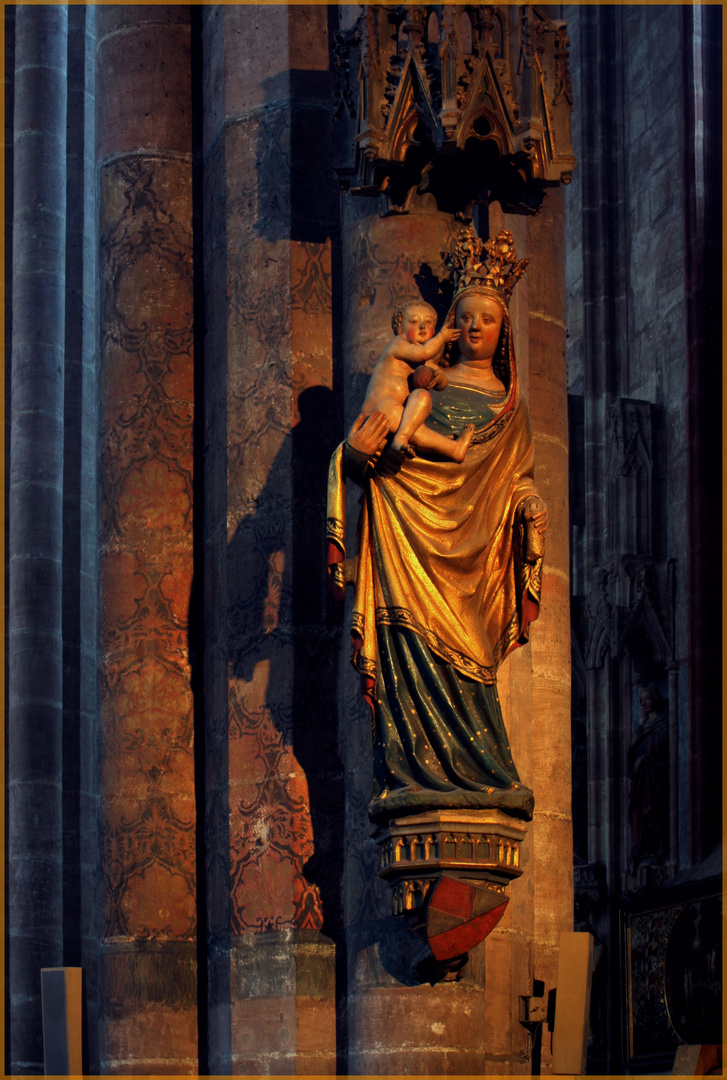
x: 469, y: 102
x: 633, y: 601
x: 635, y: 479
x: 632, y: 590
x: 449, y: 870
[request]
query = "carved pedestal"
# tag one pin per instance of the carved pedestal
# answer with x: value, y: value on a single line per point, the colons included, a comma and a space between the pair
x: 449, y: 870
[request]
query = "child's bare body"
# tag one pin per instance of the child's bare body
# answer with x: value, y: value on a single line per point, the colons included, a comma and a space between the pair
x: 415, y: 343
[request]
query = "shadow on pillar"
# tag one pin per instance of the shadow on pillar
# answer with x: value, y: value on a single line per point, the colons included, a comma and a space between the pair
x: 309, y: 723
x: 280, y: 639
x: 278, y: 618
x: 297, y: 192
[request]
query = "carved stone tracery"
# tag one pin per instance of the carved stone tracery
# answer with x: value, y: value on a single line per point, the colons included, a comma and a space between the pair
x: 632, y: 594
x: 633, y: 605
x: 440, y: 80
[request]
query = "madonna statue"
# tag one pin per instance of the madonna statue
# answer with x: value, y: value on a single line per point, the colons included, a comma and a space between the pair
x: 448, y: 571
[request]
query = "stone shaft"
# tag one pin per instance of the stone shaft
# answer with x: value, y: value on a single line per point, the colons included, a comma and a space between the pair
x: 390, y: 1033
x: 147, y: 838
x: 536, y: 678
x: 385, y: 258
x: 35, y: 496
x: 274, y: 796
x: 80, y: 528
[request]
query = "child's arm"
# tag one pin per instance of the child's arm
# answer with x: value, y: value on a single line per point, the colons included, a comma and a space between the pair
x: 414, y: 353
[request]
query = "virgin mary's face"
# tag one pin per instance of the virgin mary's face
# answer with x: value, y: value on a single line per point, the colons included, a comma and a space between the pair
x: 480, y: 320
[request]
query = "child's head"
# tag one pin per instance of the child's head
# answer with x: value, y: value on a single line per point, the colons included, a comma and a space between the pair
x: 416, y: 320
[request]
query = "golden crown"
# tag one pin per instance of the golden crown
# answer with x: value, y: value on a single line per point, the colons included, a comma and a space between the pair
x: 498, y: 270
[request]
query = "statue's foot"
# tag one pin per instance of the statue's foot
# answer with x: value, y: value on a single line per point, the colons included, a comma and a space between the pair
x: 461, y: 444
x: 399, y: 446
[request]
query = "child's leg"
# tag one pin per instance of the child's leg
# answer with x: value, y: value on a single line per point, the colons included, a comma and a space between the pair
x: 385, y: 403
x: 417, y: 408
x: 426, y: 439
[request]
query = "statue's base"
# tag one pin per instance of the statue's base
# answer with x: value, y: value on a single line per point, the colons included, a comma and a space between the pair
x: 449, y: 870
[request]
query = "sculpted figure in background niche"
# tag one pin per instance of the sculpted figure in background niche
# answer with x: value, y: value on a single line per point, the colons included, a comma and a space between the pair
x: 648, y: 767
x: 414, y: 351
x: 449, y: 563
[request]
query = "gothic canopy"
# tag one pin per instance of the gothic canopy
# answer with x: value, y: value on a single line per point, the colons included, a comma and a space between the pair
x: 471, y: 103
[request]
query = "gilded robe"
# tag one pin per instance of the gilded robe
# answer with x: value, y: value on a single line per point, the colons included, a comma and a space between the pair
x: 443, y: 593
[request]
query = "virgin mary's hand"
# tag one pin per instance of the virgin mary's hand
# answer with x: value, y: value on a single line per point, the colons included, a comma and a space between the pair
x: 535, y: 512
x: 368, y: 434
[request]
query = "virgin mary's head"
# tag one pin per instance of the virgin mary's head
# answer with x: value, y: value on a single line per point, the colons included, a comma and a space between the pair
x: 479, y: 312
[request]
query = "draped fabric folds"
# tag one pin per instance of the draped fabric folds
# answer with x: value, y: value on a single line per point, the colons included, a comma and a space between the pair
x: 440, y: 741
x: 443, y: 594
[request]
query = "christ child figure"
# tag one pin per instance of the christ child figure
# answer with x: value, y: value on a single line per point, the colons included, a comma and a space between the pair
x: 415, y: 348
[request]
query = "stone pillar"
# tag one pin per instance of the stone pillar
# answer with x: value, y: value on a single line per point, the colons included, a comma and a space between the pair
x: 80, y: 528
x: 391, y: 1026
x: 214, y: 915
x: 394, y: 1025
x: 9, y: 91
x: 147, y: 829
x: 552, y: 839
x: 35, y: 677
x: 273, y: 781
x: 702, y: 30
x: 534, y: 681
x: 510, y: 949
x: 673, y: 674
